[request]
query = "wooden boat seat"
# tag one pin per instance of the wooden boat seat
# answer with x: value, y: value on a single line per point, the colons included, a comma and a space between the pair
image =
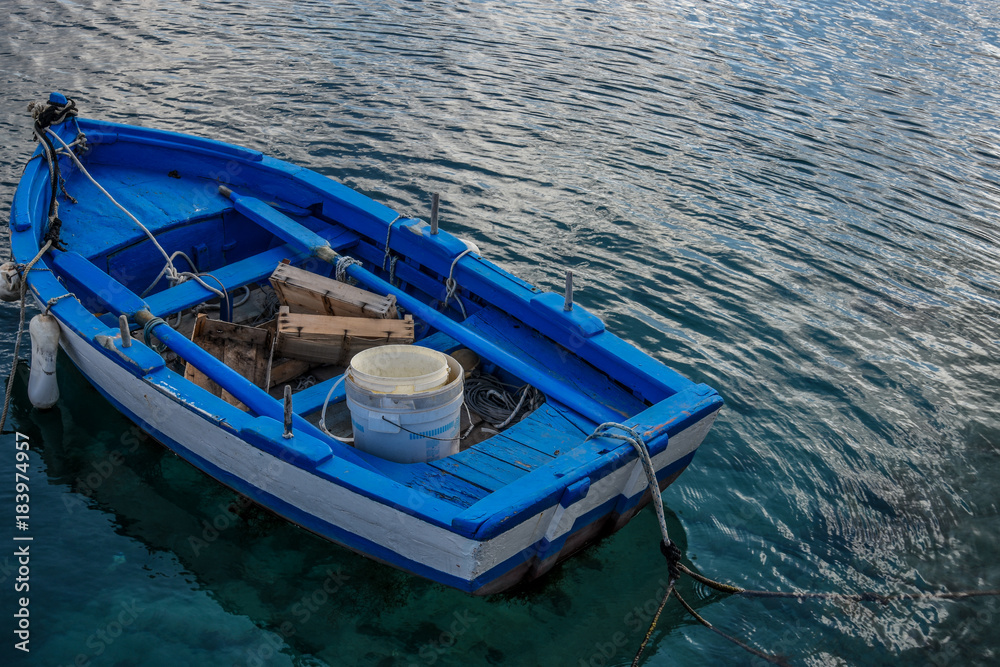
x: 251, y: 270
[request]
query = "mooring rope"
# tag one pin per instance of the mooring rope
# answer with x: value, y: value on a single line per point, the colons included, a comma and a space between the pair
x: 670, y: 550
x: 20, y: 330
x: 867, y: 596
x: 675, y: 568
x: 773, y: 659
x: 173, y: 275
x: 633, y: 437
x: 452, y: 285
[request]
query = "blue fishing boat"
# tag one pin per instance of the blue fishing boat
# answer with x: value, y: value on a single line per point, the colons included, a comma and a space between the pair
x: 124, y: 235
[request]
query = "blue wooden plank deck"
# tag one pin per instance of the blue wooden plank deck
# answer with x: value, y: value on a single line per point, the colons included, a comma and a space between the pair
x: 513, y: 451
x: 479, y: 468
x: 545, y: 432
x: 422, y: 477
x: 490, y: 465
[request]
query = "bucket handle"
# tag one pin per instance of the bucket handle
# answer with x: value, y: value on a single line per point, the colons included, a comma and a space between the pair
x: 428, y: 437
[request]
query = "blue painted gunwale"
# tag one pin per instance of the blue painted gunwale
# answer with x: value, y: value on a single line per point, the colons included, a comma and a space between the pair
x: 680, y: 402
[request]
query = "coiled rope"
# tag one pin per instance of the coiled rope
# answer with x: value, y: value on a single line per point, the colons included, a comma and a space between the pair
x: 489, y: 397
x: 147, y: 330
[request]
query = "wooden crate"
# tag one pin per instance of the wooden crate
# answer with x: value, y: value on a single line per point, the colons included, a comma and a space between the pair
x: 282, y: 369
x: 247, y: 350
x: 244, y: 349
x: 329, y: 339
x: 305, y: 292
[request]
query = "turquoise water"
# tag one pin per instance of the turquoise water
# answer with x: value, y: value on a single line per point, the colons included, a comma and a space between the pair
x: 792, y: 202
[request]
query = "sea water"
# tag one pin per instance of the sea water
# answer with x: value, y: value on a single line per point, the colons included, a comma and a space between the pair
x: 794, y: 202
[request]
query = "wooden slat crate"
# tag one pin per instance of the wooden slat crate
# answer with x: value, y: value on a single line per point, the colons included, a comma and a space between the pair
x: 283, y: 370
x: 334, y: 340
x: 244, y: 349
x: 306, y: 292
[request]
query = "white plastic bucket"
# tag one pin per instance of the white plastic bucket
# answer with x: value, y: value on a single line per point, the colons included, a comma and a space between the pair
x: 399, y: 369
x: 408, y: 427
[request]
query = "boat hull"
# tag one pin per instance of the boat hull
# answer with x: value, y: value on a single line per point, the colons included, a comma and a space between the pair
x: 374, y: 529
x: 501, y: 511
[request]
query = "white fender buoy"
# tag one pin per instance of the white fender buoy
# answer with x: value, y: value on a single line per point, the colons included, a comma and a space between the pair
x: 10, y: 282
x: 43, y: 390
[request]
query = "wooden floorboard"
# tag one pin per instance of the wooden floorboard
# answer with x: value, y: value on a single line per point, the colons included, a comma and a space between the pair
x: 545, y: 432
x: 479, y: 469
x: 424, y: 477
x: 513, y: 451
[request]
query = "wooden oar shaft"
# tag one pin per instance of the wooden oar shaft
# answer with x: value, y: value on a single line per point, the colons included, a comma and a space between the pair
x: 255, y: 398
x: 292, y: 232
x: 538, y: 377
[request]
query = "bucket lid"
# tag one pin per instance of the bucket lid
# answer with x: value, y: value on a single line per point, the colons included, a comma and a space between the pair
x: 399, y: 369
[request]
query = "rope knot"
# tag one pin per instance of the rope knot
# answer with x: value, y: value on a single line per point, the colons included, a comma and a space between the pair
x: 672, y: 553
x: 340, y: 271
x: 55, y: 226
x: 51, y: 113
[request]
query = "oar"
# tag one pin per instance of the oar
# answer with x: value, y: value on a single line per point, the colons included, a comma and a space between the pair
x: 292, y: 232
x: 119, y: 299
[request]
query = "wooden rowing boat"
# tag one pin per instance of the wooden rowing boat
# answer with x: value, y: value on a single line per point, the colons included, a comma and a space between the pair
x: 513, y: 501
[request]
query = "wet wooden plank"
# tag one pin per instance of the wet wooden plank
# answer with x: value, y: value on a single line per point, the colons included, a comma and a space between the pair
x: 546, y: 431
x: 423, y: 477
x: 480, y: 469
x: 512, y: 451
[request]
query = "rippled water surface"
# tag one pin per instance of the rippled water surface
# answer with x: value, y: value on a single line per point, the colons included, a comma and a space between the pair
x: 794, y: 202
